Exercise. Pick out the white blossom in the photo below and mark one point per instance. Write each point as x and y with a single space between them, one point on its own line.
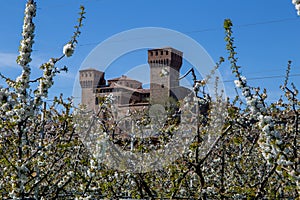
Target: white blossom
197 86
68 50
243 78
238 83
297 5
164 72
28 35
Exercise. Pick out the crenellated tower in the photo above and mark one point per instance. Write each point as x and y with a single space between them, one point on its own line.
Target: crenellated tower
90 79
165 64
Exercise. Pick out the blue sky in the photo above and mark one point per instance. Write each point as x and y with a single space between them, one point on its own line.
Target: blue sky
266 34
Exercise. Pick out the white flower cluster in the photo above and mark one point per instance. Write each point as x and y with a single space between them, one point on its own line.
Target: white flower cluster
270 141
46 81
297 5
13 110
68 50
22 82
28 35
164 72
83 198
198 84
239 83
109 99
4 94
65 179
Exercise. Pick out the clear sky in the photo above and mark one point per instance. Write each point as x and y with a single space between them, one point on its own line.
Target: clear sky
266 33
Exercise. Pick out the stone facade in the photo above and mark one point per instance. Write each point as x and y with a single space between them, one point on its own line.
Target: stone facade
89 80
165 64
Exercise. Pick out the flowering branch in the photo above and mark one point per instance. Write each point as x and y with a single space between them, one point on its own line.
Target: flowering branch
50 71
271 142
297 5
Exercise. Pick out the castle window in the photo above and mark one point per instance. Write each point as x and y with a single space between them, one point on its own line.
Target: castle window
167 53
156 53
151 53
162 53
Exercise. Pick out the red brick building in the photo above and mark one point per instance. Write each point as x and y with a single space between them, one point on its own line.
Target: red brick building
164 63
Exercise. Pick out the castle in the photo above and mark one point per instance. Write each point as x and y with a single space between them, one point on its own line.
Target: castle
165 64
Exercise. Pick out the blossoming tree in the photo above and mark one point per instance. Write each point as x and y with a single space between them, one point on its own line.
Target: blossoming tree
37 143
255 153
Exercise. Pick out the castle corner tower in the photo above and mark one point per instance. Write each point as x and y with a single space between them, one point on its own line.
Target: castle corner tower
90 79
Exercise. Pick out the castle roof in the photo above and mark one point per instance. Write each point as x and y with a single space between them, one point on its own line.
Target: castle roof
123 78
116 85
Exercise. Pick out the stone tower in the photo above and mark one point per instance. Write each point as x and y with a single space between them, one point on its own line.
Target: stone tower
90 79
165 64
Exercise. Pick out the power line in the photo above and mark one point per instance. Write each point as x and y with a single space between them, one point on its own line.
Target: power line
232 80
254 78
266 77
214 29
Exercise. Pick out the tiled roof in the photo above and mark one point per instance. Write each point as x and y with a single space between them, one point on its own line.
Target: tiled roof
123 77
116 85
